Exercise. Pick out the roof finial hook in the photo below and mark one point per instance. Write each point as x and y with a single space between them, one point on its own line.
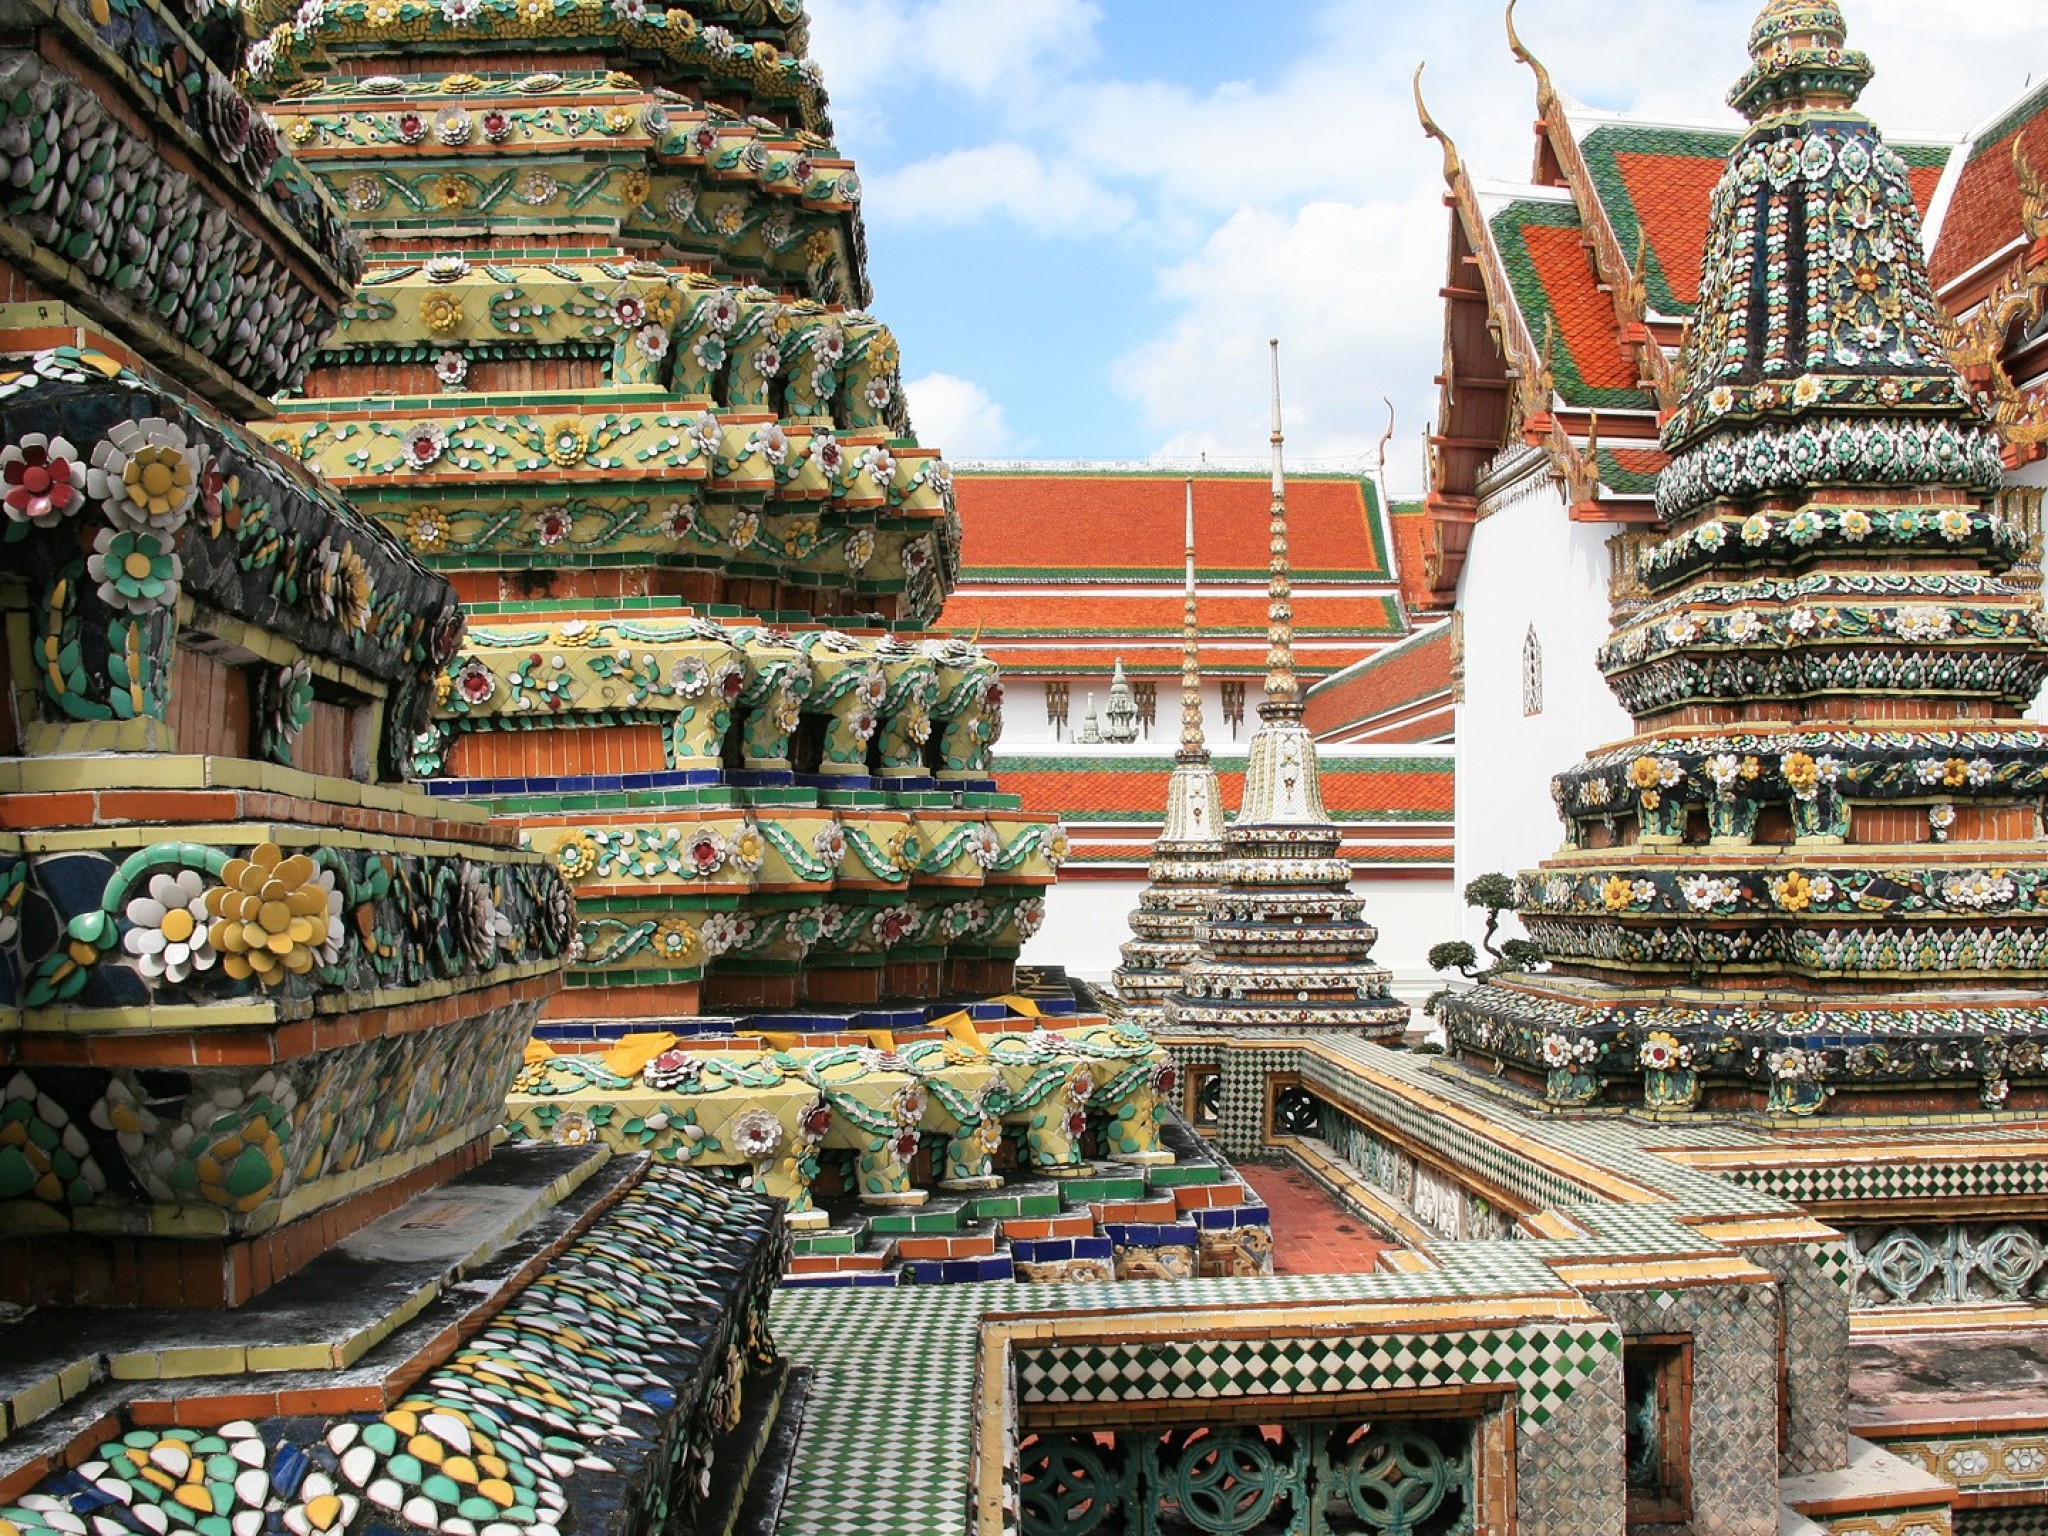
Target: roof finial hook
1452 165
1546 93
1387 436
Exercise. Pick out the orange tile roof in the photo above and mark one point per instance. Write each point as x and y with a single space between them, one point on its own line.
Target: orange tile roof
1083 789
1398 677
1412 531
1109 525
1984 214
1671 194
1585 316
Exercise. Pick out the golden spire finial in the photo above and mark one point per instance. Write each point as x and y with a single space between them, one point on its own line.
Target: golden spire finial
1283 692
1452 166
1193 747
1546 93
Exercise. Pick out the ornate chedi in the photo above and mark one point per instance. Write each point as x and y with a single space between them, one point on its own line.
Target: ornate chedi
1814 873
253 992
1185 859
1122 713
1284 943
609 371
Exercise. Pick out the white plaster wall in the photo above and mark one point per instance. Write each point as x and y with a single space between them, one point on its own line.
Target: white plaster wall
1025 725
1087 922
1528 564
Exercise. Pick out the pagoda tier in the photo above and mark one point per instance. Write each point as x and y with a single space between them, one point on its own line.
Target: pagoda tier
609 372
1283 942
1815 871
1184 869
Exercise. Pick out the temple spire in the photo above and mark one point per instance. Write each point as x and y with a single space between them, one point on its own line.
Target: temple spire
1283 691
1194 748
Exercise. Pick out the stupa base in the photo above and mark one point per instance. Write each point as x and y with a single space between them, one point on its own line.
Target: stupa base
1576 1043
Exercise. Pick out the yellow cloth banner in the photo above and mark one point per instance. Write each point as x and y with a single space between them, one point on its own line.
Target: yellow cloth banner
538 1050
630 1056
1023 1007
962 1029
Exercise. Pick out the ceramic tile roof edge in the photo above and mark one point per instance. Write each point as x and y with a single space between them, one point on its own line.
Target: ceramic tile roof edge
1496 194
1426 629
1732 126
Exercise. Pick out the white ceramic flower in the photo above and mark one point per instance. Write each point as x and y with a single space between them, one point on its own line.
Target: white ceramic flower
169 937
756 1134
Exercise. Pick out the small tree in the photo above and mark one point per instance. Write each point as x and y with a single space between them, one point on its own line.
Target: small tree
1493 895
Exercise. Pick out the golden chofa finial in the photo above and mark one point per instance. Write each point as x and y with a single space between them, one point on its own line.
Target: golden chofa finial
1387 436
1283 691
1546 93
1452 165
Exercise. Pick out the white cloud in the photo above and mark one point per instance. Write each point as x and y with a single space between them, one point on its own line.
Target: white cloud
959 418
967 186
871 50
1323 279
1304 200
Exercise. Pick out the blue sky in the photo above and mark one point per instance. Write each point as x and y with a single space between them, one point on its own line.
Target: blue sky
1085 216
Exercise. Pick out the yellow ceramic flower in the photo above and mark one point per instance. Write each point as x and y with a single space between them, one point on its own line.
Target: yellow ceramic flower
1644 773
426 528
441 313
450 191
568 444
634 190
617 119
1794 892
1801 771
460 84
677 942
380 13
727 220
357 591
273 916
576 856
1618 894
300 132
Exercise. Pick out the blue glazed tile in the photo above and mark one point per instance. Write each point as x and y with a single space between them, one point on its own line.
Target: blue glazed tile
1094 1248
1043 1250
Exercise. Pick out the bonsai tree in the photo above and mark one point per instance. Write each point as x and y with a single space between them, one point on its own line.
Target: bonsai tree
1493 895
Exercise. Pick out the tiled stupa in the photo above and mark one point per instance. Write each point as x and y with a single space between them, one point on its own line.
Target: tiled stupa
1812 877
1284 943
610 372
1185 859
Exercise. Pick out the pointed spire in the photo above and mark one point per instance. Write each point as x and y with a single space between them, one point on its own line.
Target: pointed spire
1194 748
1283 692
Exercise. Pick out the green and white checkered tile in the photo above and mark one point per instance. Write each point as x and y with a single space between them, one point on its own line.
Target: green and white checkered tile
887 1431
1832 1260
1545 1364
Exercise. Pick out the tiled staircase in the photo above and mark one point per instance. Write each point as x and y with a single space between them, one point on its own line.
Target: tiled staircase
1192 1217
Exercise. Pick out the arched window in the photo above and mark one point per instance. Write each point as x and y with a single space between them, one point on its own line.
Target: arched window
1532 673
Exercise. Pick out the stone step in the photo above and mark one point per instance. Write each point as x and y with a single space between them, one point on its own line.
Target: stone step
869 1260
1178 1175
848 1239
1205 1197
944 1218
1025 1203
958 1271
977 1245
1037 1228
1078 1192
1135 1212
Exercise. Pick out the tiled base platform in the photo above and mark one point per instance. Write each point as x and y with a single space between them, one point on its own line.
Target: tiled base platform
1195 1216
558 1341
